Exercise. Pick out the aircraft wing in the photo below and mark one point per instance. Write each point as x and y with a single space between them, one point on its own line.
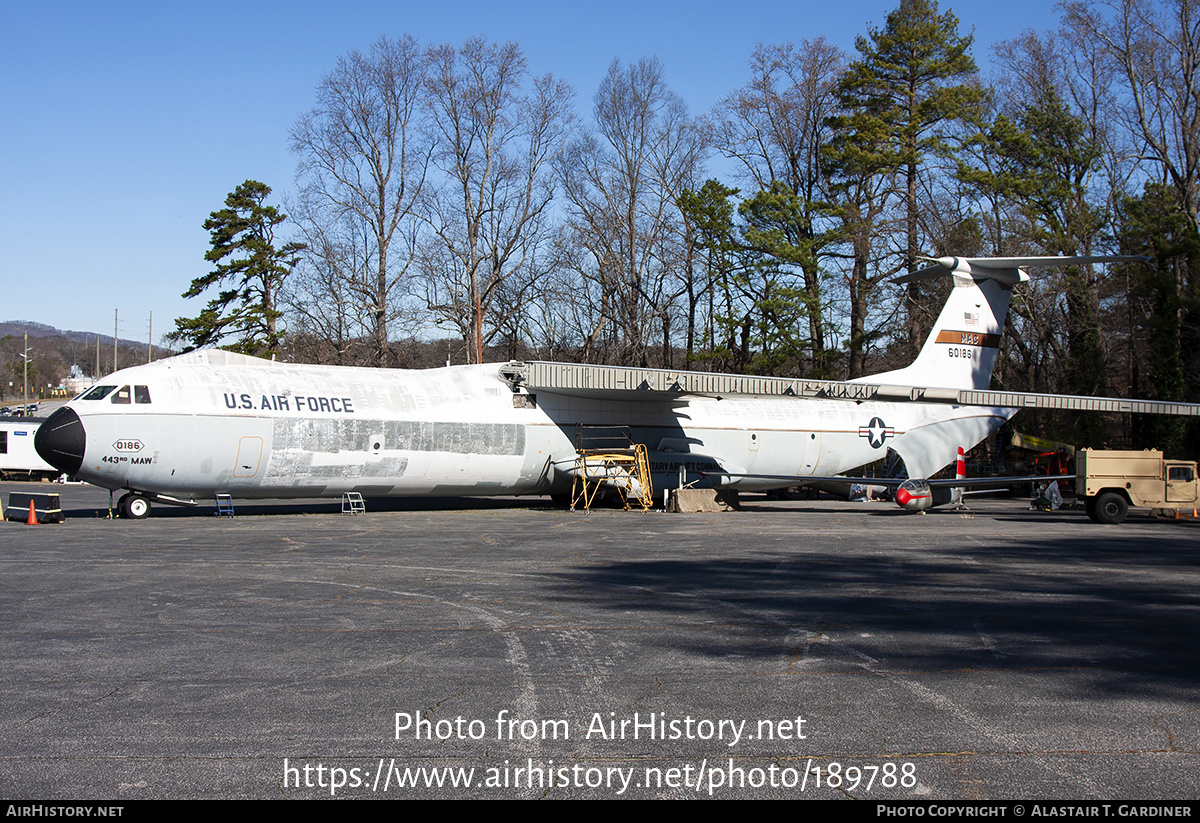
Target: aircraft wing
665 385
968 482
895 482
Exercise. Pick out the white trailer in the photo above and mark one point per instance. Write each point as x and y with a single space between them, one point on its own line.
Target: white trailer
18 460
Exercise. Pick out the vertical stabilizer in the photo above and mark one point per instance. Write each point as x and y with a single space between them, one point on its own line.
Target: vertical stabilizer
961 350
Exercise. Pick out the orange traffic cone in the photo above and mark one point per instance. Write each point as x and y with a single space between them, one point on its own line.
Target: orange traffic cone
32 521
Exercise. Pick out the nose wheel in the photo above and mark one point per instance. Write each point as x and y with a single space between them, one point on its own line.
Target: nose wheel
133 507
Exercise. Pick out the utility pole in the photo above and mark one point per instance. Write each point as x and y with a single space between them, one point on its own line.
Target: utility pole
116 314
25 357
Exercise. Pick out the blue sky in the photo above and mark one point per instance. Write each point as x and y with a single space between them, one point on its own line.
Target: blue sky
125 124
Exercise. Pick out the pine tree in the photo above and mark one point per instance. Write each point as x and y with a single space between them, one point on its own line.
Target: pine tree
1043 161
249 269
786 230
902 102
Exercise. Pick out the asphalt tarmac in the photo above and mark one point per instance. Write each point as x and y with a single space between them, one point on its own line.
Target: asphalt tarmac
502 648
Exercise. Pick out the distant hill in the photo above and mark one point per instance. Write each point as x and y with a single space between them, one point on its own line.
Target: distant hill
52 353
16 328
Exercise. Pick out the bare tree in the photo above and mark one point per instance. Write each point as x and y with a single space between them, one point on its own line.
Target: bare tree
330 296
1047 149
776 125
622 183
363 160
1155 48
495 143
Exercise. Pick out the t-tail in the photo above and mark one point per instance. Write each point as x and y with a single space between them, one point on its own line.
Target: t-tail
960 351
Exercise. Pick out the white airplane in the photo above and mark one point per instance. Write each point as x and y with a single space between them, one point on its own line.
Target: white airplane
183 429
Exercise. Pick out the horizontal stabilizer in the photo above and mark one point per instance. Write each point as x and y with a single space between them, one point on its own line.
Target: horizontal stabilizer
1005 270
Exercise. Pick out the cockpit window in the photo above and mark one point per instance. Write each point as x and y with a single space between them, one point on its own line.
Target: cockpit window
141 394
98 393
122 396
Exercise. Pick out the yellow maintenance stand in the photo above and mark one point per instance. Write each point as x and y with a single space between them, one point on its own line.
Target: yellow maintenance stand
607 460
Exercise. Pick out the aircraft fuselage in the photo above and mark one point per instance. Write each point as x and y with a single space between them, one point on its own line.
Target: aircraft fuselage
188 427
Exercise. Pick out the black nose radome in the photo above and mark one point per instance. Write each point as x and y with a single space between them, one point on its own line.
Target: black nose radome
60 441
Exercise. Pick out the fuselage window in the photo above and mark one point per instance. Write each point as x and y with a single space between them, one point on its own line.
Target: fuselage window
122 396
141 394
98 393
